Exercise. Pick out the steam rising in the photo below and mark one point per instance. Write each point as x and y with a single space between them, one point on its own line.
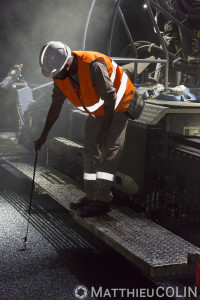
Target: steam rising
27 24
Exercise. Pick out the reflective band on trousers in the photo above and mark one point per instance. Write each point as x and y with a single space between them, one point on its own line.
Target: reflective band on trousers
88 176
106 176
120 92
98 175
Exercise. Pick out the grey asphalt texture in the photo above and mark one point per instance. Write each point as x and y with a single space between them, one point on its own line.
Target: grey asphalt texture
60 255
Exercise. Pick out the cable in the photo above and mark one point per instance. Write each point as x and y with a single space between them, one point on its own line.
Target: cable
87 24
191 9
113 25
157 69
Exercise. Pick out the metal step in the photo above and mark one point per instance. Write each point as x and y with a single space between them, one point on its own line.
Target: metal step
157 252
69 149
9 147
74 152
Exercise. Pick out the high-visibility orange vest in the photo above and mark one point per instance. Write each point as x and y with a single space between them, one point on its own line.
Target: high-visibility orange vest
88 96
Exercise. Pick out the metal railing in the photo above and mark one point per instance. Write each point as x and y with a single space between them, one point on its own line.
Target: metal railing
135 60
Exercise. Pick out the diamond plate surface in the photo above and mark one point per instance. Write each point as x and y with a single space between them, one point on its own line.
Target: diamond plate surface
154 250
72 151
179 104
152 114
60 187
68 142
63 146
9 147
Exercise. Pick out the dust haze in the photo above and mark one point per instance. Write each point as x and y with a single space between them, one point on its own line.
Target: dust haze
26 25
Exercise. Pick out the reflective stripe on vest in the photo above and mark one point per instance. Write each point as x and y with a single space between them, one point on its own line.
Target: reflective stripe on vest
88 99
122 89
120 92
114 71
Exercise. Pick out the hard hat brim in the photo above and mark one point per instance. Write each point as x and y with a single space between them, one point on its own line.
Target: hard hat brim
46 74
56 52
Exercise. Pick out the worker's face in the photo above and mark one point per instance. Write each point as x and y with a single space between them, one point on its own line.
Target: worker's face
63 74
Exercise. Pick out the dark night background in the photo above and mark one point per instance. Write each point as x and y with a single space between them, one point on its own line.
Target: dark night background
26 25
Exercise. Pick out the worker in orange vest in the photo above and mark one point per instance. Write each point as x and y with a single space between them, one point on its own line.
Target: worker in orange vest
96 85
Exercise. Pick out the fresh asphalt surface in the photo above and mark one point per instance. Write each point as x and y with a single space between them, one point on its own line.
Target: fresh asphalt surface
60 255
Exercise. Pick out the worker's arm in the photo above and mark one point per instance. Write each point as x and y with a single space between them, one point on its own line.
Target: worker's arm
58 99
107 92
52 116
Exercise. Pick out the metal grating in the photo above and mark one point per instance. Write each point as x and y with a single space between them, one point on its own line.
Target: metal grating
154 250
59 235
9 147
68 142
153 113
178 104
60 187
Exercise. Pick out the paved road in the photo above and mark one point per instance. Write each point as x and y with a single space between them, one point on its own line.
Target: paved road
61 257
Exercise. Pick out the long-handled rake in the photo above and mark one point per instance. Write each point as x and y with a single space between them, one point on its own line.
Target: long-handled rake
30 204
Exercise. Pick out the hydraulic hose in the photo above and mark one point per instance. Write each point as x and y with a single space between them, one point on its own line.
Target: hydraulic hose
162 41
135 54
155 51
166 5
191 9
180 19
167 14
128 32
187 68
179 64
113 25
87 24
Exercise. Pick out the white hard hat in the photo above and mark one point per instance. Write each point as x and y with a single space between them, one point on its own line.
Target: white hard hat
53 57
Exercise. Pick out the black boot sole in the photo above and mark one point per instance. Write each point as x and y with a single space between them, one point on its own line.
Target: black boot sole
77 206
87 214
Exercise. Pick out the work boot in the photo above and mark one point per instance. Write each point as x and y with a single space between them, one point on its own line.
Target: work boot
81 203
94 208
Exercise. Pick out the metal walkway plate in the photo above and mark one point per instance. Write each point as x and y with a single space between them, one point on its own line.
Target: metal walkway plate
60 187
9 147
157 252
154 111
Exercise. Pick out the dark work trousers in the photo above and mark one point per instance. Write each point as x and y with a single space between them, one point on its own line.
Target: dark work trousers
100 165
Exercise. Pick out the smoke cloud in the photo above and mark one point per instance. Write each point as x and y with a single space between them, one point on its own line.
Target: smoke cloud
26 25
